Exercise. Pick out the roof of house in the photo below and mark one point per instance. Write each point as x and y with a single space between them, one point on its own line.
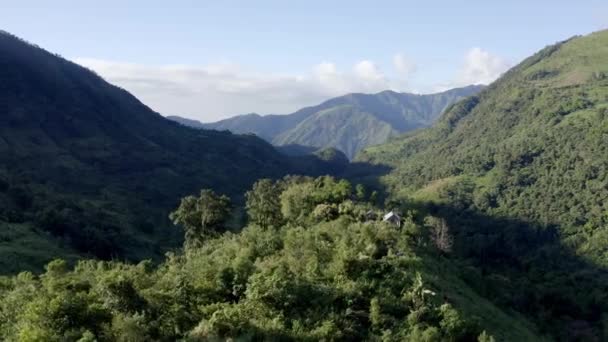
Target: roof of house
391 215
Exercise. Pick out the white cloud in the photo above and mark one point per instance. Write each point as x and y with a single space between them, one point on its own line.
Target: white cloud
213 92
479 67
369 77
367 70
403 65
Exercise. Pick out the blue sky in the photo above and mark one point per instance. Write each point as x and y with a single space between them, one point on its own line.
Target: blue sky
209 60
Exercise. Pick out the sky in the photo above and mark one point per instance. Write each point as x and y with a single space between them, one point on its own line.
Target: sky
210 60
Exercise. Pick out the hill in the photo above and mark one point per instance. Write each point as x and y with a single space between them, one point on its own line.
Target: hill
186 122
311 265
520 170
87 169
348 123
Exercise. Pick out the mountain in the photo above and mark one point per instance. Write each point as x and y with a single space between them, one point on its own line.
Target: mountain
348 123
520 172
87 169
186 122
318 268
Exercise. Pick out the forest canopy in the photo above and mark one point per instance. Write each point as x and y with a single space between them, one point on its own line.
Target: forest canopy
311 265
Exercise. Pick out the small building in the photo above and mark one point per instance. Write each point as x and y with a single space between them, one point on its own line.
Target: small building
370 215
392 217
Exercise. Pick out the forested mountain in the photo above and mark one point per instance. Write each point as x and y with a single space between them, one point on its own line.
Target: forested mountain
314 263
348 123
87 169
186 122
501 235
521 170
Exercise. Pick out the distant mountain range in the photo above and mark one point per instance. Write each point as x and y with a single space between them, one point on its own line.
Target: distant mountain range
348 123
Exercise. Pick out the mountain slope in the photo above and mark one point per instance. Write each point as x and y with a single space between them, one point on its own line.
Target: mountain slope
88 169
520 170
541 124
336 276
348 122
186 122
344 127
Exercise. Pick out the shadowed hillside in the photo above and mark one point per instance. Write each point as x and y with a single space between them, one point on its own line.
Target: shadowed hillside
85 168
528 153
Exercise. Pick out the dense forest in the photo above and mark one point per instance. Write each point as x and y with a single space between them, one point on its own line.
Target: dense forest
315 262
88 170
500 234
519 171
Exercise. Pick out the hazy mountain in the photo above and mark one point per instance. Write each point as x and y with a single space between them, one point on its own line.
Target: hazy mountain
85 168
348 123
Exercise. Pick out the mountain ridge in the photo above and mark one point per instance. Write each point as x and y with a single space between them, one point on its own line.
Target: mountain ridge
88 169
519 171
388 113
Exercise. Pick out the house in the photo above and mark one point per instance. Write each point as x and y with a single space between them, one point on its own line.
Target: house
392 217
370 216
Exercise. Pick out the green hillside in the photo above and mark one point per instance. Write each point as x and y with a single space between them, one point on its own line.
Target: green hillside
520 169
502 204
344 127
310 266
87 169
348 123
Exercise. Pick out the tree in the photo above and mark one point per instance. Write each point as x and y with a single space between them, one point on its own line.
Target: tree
325 212
360 192
297 201
373 198
459 193
454 327
439 233
329 190
201 216
264 203
485 337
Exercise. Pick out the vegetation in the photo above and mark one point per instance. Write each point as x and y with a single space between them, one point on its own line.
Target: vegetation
503 206
312 278
88 170
519 173
201 216
348 123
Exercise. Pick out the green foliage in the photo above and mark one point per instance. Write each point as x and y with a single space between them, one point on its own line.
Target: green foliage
297 202
325 212
360 192
518 173
439 233
90 170
303 195
263 203
201 216
484 337
345 278
509 186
